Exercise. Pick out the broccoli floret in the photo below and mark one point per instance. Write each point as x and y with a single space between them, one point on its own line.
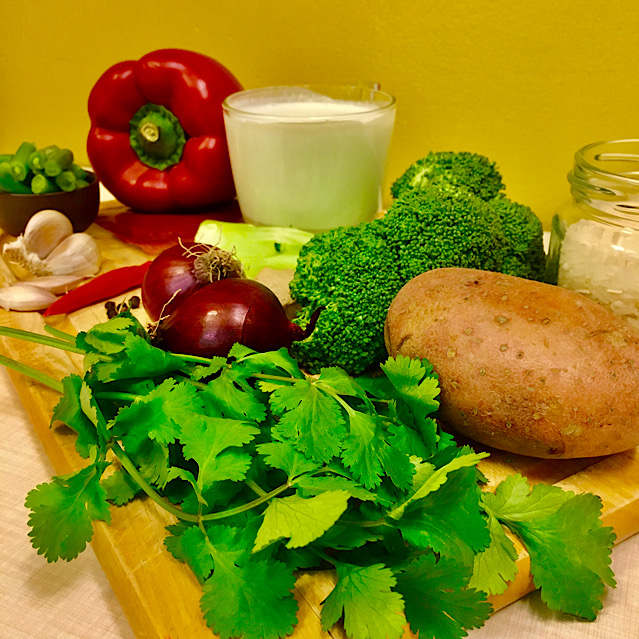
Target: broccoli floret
432 228
351 272
355 272
461 170
522 252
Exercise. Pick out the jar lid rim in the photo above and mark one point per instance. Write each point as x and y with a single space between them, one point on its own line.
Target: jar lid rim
582 160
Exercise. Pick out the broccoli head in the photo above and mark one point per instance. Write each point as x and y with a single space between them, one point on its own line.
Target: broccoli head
354 273
461 170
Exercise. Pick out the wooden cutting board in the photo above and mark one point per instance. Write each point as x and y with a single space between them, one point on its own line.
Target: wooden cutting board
159 595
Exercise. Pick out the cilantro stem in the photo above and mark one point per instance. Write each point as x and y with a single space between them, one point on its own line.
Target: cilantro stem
364 524
34 373
276 378
322 555
56 332
117 396
251 504
129 466
254 487
62 344
193 358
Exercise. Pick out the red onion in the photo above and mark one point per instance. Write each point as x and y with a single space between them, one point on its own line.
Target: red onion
181 270
211 320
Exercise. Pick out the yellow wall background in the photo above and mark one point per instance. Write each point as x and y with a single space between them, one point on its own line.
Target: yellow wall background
524 82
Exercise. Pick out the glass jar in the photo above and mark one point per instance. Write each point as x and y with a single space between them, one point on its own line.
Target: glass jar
594 238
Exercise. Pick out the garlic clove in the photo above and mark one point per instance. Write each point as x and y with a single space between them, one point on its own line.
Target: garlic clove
45 230
56 284
21 297
15 251
21 262
78 255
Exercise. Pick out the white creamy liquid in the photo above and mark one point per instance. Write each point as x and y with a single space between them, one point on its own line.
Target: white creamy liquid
312 164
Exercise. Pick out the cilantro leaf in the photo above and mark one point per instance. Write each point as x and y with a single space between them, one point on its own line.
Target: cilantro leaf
253 600
269 363
496 565
397 466
313 485
447 516
152 459
429 479
341 382
62 512
349 537
194 550
438 603
69 411
284 456
230 395
310 418
121 349
407 440
361 447
364 596
157 415
569 549
120 487
300 520
108 337
417 387
215 365
207 441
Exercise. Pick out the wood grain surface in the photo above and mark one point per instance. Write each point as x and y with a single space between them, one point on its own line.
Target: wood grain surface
160 595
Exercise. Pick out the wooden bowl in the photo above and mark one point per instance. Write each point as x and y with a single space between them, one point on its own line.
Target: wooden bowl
80 206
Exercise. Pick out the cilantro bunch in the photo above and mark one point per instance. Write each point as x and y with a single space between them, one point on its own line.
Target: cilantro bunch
270 472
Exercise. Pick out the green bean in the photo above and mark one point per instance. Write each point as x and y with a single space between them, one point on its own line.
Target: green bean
66 181
39 157
8 183
58 162
19 163
42 184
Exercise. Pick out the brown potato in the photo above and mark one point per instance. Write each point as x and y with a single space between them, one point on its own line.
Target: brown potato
526 367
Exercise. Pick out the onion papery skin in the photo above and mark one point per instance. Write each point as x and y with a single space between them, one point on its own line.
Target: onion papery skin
172 277
226 312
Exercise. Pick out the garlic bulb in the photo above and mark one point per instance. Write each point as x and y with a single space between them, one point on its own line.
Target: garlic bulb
22 297
78 255
48 247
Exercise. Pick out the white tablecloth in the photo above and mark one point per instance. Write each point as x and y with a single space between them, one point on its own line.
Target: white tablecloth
74 600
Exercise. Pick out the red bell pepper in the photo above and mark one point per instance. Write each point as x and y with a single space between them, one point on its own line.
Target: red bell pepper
157 140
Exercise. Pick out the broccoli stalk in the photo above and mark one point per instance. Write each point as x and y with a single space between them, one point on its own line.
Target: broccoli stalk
355 272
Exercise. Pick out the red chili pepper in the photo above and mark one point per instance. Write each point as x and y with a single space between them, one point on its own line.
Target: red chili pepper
157 140
99 289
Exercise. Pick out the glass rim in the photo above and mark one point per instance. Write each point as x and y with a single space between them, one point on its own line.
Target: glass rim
388 103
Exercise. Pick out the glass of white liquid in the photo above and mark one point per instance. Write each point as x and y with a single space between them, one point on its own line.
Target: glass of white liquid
309 157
